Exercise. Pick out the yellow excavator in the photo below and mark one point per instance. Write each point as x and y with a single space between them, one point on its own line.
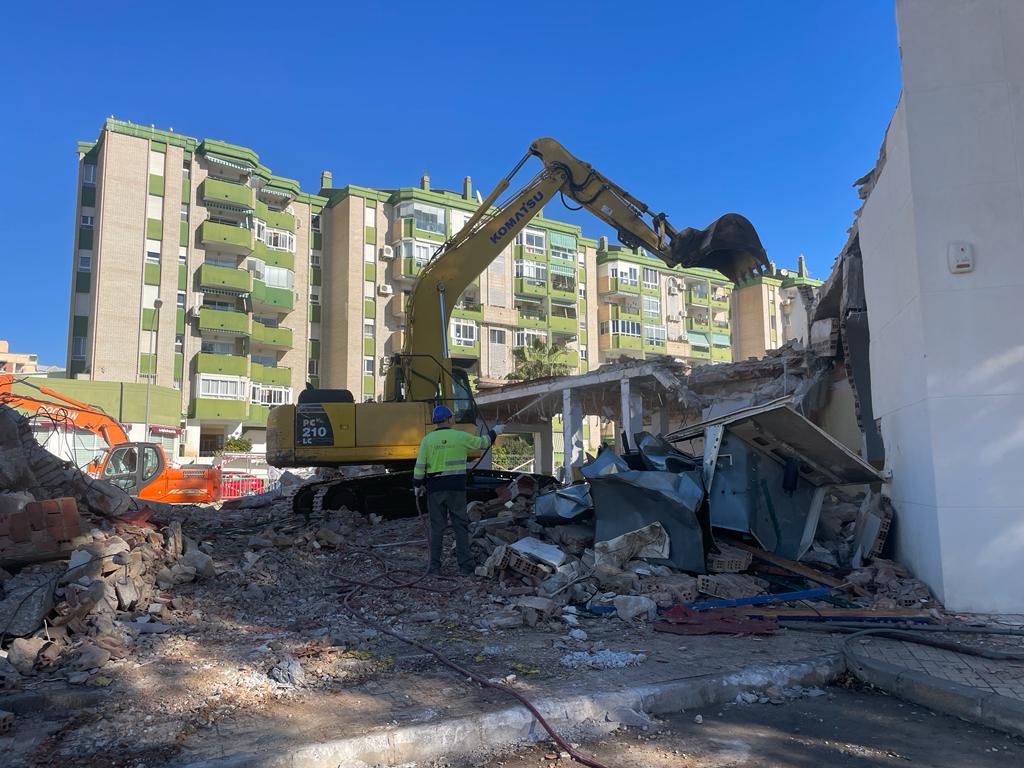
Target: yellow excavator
326 428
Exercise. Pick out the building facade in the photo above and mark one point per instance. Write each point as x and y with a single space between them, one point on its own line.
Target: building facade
198 269
16 362
771 309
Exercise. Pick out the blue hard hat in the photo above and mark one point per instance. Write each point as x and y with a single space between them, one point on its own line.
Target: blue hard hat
441 413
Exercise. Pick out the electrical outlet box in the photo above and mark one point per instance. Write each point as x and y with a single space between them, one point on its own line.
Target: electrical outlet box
961 258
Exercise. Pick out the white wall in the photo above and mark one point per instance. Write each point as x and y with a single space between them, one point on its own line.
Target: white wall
947 351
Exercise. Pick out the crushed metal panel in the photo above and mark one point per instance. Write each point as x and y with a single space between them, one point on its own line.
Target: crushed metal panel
563 505
782 433
606 463
627 501
659 455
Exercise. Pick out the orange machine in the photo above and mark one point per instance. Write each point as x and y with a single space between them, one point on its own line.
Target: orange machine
141 469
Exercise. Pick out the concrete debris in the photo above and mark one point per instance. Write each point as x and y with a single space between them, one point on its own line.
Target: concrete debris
28 599
629 607
603 659
288 671
23 652
548 554
651 541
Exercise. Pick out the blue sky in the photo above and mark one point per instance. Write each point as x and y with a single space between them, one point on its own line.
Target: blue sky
770 109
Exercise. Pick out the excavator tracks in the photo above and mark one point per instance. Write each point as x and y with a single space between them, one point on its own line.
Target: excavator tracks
389 494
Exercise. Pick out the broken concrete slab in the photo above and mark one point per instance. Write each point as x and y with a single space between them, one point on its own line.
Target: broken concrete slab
28 598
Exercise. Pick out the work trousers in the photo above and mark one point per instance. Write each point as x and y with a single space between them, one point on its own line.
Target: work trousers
443 505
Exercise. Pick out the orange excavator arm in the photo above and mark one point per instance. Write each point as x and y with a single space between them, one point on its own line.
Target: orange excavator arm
81 415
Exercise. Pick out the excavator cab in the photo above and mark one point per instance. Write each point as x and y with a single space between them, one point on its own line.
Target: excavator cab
132 466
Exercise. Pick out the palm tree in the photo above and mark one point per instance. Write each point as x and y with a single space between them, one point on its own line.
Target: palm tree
539 360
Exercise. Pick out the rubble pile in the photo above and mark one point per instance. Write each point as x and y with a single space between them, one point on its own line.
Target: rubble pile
70 619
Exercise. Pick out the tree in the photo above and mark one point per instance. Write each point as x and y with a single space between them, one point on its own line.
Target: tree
238 445
538 361
511 452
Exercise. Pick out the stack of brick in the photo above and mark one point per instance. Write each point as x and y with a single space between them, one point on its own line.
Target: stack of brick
38 530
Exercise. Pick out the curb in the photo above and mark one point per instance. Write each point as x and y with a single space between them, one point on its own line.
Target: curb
513 725
972 704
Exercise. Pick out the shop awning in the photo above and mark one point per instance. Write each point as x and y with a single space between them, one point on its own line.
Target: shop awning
697 339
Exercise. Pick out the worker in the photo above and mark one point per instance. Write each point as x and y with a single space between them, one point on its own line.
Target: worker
440 476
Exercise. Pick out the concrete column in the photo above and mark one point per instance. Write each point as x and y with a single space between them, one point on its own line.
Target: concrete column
543 451
572 433
636 415
624 408
660 421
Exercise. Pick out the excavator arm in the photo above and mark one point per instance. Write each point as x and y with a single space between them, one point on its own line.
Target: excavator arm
81 415
423 371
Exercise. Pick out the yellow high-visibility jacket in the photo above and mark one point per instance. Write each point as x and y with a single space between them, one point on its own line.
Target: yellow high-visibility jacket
441 461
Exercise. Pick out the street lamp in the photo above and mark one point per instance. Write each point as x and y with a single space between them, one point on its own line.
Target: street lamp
157 303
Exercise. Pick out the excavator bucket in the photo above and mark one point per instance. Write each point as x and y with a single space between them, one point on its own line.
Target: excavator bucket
729 245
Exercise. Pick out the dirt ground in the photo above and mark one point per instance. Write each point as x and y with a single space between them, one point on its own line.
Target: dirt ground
844 728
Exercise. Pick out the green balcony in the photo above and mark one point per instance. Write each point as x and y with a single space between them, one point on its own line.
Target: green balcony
617 341
216 191
527 286
702 353
720 303
695 297
274 257
563 324
258 415
459 350
224 237
277 298
216 278
265 374
314 313
701 326
570 357
721 354
621 312
275 219
227 365
223 321
528 319
271 337
410 268
615 285
468 310
210 409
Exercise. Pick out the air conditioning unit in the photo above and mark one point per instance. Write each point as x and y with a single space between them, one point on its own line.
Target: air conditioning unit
387 252
385 290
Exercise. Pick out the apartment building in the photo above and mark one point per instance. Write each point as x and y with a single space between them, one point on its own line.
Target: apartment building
198 269
16 362
771 309
191 270
377 243
648 309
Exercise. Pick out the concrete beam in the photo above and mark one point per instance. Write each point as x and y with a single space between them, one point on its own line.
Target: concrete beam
572 433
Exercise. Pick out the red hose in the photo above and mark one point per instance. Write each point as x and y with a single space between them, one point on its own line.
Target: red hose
355 586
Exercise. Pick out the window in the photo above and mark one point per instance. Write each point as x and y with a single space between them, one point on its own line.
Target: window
463 332
621 328
278 277
654 334
533 241
583 352
423 253
89 174
498 336
563 278
563 246
279 239
533 270
369 331
314 294
582 291
369 217
652 306
221 387
699 290
155 207
527 337
563 310
181 300
269 395
186 168
313 369
314 222
771 294
85 261
651 277
152 251
182 254
218 260
176 384
184 211
368 366
429 218
156 163
179 342
771 320
88 220
217 347
78 347
314 259
368 289
369 252
627 274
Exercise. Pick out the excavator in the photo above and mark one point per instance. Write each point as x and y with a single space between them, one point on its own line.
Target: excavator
140 469
327 428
